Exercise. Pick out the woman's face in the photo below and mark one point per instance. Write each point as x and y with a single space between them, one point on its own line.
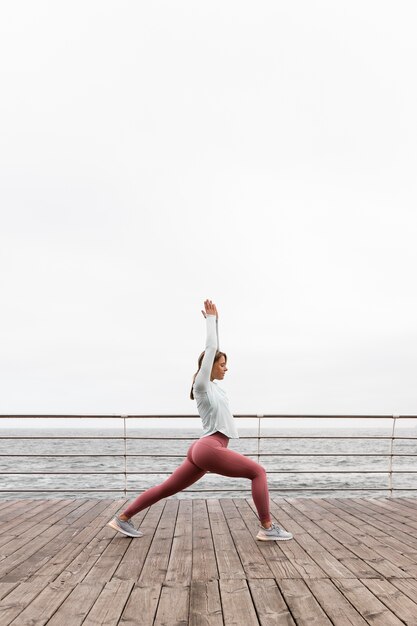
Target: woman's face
219 369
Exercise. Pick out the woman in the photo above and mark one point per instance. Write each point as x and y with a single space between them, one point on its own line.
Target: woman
209 453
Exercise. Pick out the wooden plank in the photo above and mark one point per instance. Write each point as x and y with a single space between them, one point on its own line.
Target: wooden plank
44 605
296 513
295 556
392 517
11 509
16 542
96 516
353 542
228 562
334 604
7 503
23 552
156 564
205 605
108 561
74 565
367 512
379 527
29 511
279 563
392 553
77 605
393 548
204 566
20 597
403 505
89 514
253 561
360 517
54 515
407 586
383 567
109 606
318 552
393 509
173 606
131 565
269 603
409 502
324 559
303 606
6 588
22 531
6 539
141 606
354 564
85 559
371 609
279 514
29 566
397 602
181 557
40 512
238 608
69 561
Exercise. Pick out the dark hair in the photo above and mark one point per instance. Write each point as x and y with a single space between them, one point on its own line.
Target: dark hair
200 360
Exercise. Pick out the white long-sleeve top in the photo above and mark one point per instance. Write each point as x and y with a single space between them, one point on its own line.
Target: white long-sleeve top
212 403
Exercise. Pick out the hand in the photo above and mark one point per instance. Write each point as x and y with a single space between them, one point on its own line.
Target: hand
210 309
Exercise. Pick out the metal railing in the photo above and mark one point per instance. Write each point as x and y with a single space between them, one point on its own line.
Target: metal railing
390 456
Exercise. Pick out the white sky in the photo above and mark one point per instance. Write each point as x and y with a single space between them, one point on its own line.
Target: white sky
261 154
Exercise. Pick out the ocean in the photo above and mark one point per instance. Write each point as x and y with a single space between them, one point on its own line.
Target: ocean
301 471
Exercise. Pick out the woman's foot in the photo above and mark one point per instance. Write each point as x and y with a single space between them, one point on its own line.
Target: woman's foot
125 527
275 533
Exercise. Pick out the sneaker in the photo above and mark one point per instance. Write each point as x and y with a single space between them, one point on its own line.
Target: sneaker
275 533
125 527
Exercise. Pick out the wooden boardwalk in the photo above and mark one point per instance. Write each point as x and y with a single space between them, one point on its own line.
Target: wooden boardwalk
352 562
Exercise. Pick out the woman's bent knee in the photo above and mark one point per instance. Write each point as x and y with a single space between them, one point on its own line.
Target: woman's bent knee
261 471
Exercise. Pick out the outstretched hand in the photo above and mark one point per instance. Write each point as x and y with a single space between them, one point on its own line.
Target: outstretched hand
210 309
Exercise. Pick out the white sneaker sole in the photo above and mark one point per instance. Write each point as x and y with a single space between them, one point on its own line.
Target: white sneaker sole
274 538
124 532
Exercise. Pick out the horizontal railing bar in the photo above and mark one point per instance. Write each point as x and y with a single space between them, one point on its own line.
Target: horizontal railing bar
280 437
181 456
196 416
163 472
284 489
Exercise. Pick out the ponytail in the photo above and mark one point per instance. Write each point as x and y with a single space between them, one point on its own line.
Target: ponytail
200 360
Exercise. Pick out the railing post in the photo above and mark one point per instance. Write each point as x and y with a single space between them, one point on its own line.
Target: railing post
259 416
125 454
391 455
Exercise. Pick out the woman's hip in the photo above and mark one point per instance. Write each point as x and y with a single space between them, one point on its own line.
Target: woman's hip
207 446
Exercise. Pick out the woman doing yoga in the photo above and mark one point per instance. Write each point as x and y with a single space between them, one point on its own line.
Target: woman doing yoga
209 453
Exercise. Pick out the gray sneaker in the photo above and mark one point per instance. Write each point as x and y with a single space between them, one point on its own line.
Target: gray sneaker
126 528
275 533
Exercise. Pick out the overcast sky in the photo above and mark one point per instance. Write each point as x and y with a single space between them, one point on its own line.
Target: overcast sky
261 154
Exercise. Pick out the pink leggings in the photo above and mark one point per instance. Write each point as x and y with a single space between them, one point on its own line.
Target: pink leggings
209 454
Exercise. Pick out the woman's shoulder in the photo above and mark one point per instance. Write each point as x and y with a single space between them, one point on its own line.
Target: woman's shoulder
208 390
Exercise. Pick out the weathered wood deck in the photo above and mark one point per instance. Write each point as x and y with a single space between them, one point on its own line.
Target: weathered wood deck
353 561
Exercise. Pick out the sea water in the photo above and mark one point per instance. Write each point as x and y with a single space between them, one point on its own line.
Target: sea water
307 463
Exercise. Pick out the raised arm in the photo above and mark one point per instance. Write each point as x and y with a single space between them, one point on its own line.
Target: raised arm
212 345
